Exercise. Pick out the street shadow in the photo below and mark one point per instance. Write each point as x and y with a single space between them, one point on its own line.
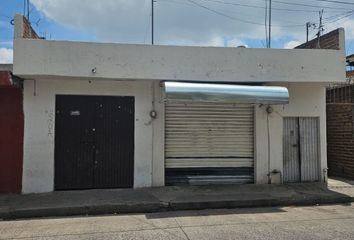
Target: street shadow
211 212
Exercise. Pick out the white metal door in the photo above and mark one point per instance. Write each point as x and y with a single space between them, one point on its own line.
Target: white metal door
301 149
209 135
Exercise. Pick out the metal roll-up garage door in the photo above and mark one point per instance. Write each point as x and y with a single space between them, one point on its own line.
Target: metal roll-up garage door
209 143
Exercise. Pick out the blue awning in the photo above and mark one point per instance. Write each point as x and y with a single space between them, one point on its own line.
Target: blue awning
210 92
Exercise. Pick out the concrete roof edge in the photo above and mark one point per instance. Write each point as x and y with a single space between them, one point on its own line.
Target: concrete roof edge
6 67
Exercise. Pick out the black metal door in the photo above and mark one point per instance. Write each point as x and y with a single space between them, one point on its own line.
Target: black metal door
94 142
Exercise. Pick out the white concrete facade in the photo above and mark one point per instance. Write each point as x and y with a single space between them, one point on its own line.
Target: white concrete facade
51 68
141 62
306 99
39 110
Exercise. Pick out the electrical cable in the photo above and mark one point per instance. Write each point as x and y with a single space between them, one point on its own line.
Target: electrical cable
219 12
239 19
340 18
147 28
307 5
259 7
333 1
265 21
338 15
223 14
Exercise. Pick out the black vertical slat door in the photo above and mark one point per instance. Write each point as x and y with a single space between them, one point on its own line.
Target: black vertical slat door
74 143
94 142
114 140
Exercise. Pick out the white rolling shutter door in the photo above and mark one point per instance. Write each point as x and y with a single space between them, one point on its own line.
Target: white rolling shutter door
204 135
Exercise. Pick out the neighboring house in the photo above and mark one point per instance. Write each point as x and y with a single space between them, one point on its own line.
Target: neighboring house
11 131
104 115
340 125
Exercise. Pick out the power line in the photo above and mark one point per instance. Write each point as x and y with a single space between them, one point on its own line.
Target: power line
342 17
177 2
260 7
219 12
333 1
265 21
307 5
339 15
26 10
292 24
152 22
235 18
147 28
223 14
270 24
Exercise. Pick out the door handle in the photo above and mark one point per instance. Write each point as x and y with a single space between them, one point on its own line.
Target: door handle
295 145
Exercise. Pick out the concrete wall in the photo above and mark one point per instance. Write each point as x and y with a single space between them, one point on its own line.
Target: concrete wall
35 58
306 100
39 111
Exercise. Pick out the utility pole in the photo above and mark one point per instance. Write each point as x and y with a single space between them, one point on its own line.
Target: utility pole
320 30
26 11
152 22
270 24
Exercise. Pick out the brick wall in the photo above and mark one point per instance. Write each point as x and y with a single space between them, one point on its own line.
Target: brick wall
23 28
340 140
330 40
28 31
340 94
350 75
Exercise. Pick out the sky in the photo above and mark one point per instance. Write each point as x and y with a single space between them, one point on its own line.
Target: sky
226 23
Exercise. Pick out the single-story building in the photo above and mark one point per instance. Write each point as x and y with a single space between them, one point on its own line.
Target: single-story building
104 115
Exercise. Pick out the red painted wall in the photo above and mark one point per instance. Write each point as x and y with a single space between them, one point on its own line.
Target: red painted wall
11 140
5 78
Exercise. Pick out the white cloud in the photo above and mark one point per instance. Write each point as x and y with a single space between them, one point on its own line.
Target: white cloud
215 41
292 44
349 29
9 43
179 22
6 55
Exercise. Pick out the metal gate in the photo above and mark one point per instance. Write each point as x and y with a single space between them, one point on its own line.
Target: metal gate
301 149
94 142
208 143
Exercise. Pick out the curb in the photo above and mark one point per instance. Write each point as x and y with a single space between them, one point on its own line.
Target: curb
150 207
180 205
81 210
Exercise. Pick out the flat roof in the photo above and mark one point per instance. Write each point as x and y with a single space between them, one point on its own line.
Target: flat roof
6 67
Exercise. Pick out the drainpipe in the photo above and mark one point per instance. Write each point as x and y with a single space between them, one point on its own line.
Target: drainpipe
269 110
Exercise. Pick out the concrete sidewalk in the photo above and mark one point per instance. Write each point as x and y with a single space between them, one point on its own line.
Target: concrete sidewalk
111 201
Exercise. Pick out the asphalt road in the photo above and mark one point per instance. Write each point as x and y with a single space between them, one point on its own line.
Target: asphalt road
320 222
